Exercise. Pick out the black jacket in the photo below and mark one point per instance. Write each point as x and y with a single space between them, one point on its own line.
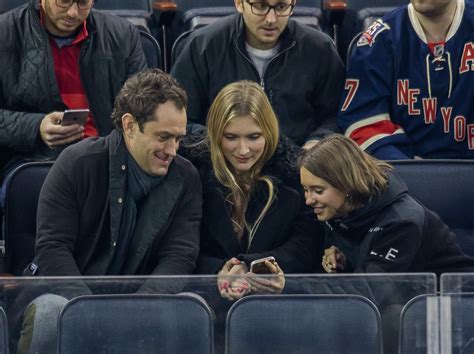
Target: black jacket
289 231
395 233
28 89
80 209
303 82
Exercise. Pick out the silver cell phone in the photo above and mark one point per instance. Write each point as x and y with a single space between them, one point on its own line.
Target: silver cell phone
75 116
258 266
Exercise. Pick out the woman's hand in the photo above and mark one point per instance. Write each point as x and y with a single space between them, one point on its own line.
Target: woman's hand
271 284
230 286
334 260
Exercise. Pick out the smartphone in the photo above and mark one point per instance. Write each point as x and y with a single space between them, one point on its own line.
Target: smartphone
75 116
258 266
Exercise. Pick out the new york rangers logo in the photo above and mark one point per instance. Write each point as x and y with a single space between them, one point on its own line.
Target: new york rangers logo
438 50
371 33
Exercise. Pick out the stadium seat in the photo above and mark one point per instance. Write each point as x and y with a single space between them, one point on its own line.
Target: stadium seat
137 12
152 50
3 332
414 338
22 190
136 324
447 188
457 323
303 324
7 5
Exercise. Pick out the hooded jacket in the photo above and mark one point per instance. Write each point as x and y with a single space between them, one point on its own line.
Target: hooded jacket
28 90
396 233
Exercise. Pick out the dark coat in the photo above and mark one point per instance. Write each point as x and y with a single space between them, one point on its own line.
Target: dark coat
289 231
395 233
303 81
28 89
80 209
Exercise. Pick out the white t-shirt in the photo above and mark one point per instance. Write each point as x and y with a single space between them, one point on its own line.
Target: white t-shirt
261 58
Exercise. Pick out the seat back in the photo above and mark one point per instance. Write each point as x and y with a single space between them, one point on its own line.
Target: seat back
458 327
419 325
7 5
22 189
303 324
447 188
137 12
136 324
152 50
3 332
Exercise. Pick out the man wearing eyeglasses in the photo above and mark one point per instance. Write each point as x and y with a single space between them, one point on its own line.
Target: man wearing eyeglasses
57 55
297 66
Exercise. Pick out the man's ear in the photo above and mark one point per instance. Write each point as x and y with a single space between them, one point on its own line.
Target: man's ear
129 125
239 5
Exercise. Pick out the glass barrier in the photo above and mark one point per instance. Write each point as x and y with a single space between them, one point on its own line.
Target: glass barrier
206 314
457 313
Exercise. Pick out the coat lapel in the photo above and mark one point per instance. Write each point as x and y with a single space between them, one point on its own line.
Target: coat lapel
154 214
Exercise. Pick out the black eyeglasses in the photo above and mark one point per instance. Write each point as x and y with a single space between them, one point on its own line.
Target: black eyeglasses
262 9
81 4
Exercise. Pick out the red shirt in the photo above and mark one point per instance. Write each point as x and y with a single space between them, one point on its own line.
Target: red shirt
68 76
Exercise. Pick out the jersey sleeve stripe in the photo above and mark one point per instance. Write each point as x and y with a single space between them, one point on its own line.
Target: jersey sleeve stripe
367 131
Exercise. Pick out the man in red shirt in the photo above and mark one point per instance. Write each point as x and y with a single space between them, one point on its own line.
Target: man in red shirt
58 55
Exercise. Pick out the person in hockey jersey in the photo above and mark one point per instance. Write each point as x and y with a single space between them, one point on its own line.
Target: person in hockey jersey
410 84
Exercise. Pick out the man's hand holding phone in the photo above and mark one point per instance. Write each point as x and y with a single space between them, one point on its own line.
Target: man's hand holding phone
266 276
54 134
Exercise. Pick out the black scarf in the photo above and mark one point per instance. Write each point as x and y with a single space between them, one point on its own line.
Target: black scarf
139 184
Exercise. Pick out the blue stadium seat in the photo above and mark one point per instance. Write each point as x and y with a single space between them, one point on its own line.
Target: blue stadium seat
459 325
414 338
22 190
7 5
136 324
447 188
3 332
137 12
152 50
303 324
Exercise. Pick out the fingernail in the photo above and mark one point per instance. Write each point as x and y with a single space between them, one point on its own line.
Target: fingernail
225 284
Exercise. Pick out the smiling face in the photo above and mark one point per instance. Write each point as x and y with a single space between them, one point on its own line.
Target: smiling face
62 22
325 200
262 32
242 143
155 147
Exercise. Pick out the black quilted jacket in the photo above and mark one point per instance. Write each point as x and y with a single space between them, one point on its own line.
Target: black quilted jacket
28 88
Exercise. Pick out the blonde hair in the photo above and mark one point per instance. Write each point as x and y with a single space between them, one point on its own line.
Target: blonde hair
236 100
341 163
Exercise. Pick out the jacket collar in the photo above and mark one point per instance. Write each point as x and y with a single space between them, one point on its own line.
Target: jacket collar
156 209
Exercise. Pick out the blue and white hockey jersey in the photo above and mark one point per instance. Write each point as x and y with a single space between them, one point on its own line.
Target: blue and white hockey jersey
405 99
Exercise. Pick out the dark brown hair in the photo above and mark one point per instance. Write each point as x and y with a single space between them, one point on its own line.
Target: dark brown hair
143 92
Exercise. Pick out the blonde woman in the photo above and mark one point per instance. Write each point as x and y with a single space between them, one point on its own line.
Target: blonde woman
249 212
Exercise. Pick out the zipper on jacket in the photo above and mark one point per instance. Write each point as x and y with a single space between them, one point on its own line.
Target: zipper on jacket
262 78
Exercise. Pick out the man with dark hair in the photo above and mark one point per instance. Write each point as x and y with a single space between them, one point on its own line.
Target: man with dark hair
57 55
125 204
298 67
